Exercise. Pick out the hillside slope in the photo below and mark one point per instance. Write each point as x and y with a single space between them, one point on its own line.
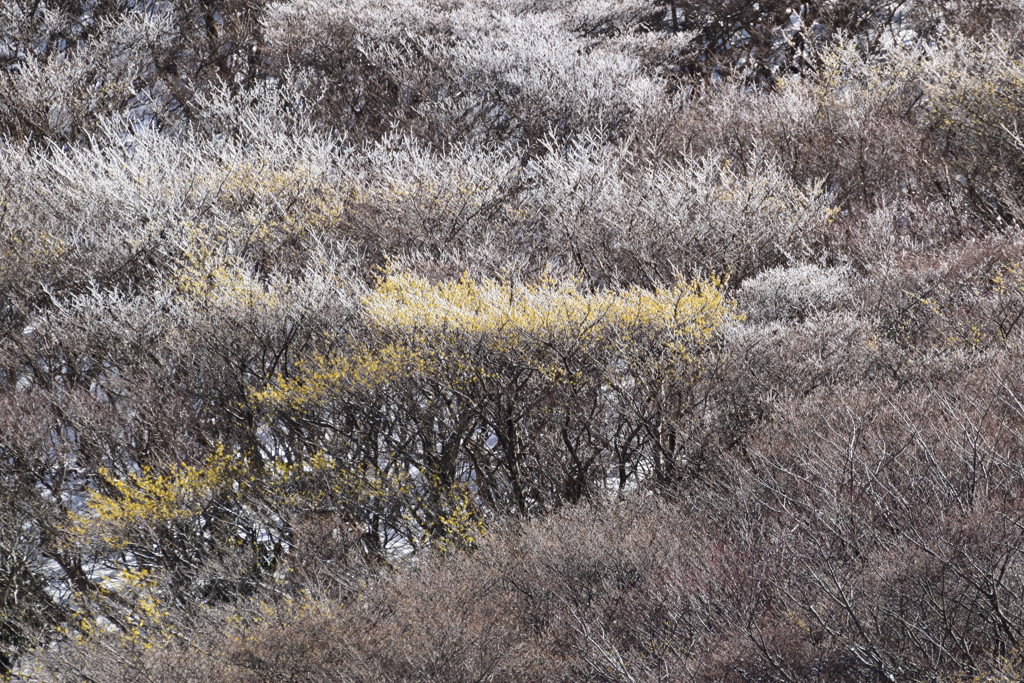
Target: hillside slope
531 340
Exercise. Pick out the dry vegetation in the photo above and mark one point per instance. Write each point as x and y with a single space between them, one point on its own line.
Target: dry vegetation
518 340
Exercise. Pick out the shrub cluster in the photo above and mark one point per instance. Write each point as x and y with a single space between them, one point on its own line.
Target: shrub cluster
533 340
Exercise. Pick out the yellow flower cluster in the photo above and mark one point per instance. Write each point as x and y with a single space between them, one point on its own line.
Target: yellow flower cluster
357 372
283 202
148 626
460 524
144 498
225 283
550 308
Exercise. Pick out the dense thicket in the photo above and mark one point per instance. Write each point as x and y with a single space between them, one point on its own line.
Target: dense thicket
531 340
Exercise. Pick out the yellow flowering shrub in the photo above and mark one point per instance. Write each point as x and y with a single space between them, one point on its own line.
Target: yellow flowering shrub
148 624
515 373
425 323
416 510
147 499
361 369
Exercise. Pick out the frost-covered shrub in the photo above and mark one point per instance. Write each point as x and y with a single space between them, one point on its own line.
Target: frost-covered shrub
65 66
643 220
795 293
463 71
977 20
773 358
64 97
